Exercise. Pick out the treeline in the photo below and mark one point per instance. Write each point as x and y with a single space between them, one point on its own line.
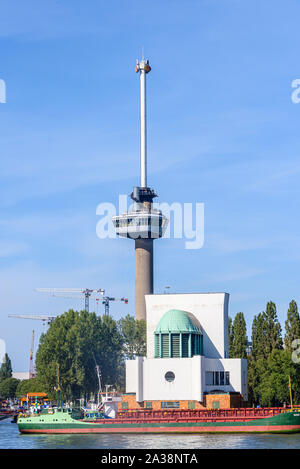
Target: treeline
74 344
272 357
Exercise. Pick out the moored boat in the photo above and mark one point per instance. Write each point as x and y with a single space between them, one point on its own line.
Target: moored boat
75 421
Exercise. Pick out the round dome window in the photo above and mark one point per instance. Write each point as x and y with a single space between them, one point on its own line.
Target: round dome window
169 376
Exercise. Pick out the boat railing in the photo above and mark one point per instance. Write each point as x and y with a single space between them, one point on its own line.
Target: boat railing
242 412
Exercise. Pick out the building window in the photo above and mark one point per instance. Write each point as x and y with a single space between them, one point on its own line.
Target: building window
185 345
148 405
175 345
157 346
175 348
209 378
125 405
169 376
217 378
170 405
216 404
191 404
165 345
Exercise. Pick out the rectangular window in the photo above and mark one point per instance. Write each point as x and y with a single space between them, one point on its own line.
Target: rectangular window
191 404
169 405
124 405
209 378
165 345
216 404
148 405
157 346
217 378
175 345
196 347
185 345
194 344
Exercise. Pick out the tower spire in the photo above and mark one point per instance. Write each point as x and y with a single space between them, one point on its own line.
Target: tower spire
143 68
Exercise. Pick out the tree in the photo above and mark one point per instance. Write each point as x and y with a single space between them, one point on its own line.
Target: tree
269 365
266 338
273 340
8 388
273 389
292 325
230 337
6 369
266 332
29 385
77 342
134 337
258 336
239 337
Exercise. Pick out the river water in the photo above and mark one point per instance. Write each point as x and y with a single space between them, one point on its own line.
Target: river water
10 438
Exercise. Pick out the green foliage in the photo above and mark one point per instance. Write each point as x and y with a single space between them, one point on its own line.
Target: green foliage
273 340
8 388
253 380
258 337
269 365
273 387
6 369
266 332
134 337
230 337
239 337
77 342
292 325
29 385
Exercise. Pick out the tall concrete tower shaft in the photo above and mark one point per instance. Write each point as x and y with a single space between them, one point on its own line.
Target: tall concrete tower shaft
142 223
143 275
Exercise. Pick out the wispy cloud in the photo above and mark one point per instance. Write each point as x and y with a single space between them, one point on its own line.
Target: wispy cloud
224 244
238 275
227 244
12 249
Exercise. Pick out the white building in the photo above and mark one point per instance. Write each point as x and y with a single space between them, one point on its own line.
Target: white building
21 375
187 353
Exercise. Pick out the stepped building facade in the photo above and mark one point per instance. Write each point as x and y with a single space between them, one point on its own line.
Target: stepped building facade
187 364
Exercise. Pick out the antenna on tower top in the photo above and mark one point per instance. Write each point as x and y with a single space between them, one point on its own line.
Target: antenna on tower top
143 68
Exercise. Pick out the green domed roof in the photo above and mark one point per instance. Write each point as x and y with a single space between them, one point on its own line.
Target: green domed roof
176 320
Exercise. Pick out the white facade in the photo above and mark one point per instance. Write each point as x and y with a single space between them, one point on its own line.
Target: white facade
211 310
21 375
211 372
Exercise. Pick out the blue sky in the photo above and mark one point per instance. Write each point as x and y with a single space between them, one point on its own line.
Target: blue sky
222 129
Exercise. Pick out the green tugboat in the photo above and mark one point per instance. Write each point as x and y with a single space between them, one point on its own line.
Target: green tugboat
76 421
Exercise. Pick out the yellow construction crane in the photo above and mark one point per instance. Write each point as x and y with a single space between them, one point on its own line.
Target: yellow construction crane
291 397
31 367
